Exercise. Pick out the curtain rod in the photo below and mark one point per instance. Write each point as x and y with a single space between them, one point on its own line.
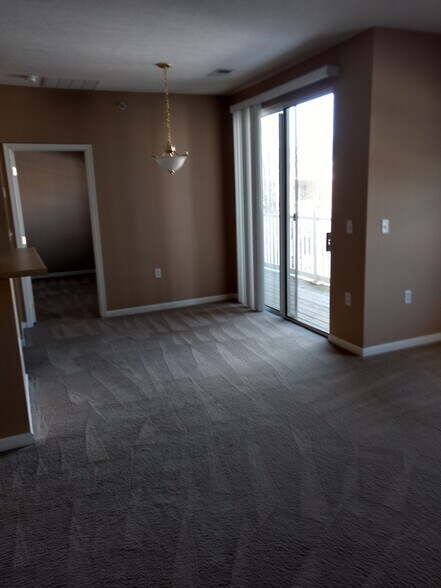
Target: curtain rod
317 75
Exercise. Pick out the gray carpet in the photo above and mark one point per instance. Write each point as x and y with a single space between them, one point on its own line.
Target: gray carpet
215 446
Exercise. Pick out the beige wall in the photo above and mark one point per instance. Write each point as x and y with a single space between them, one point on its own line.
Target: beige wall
55 205
405 187
351 153
183 223
387 163
13 408
349 192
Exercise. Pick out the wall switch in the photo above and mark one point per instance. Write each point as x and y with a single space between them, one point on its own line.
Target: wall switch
407 296
385 226
349 227
158 273
348 298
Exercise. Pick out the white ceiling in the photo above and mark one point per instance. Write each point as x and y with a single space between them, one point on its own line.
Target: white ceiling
117 41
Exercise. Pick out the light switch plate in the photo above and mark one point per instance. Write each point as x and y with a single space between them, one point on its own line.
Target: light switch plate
385 226
349 227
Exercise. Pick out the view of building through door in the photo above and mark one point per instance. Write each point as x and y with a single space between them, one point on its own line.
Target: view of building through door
297 202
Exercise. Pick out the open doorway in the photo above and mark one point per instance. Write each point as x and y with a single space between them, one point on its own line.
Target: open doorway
297 147
54 209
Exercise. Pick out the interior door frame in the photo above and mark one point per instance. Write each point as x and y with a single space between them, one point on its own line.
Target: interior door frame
9 150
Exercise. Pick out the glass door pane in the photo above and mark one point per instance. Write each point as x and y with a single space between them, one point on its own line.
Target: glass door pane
309 166
270 138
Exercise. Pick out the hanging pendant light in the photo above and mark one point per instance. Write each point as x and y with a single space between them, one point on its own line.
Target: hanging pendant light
170 159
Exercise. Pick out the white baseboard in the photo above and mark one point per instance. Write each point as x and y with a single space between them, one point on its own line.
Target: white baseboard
168 305
355 349
385 347
16 441
24 326
28 402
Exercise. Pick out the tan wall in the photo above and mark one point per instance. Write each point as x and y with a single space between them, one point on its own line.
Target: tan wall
183 223
387 164
351 152
405 187
349 192
13 409
55 205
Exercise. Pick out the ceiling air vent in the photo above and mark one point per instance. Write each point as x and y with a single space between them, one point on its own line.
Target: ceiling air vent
66 84
220 72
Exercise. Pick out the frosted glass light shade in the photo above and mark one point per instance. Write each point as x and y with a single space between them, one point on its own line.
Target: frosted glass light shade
171 161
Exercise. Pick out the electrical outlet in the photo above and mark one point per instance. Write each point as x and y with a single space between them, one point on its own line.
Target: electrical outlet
158 273
349 227
385 226
348 298
407 296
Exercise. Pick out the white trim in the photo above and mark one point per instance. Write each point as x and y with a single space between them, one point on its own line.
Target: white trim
240 214
355 349
9 149
317 75
96 235
17 217
169 305
28 402
16 441
385 347
22 339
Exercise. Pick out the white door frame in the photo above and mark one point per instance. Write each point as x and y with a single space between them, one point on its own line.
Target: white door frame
9 150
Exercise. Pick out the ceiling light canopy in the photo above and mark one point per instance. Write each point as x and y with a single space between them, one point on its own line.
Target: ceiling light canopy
170 159
32 79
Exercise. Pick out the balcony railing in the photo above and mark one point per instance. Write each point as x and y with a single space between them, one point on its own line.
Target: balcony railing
314 262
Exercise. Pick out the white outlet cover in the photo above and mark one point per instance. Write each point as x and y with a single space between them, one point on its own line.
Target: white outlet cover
158 272
385 226
348 298
349 227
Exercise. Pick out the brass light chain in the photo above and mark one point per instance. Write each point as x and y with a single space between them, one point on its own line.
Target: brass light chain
167 112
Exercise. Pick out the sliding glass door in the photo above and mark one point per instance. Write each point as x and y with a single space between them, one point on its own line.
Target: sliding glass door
302 173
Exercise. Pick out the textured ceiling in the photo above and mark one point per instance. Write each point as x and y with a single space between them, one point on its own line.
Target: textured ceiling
117 42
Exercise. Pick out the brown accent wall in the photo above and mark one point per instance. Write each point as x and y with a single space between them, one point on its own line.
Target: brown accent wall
55 205
183 224
405 187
